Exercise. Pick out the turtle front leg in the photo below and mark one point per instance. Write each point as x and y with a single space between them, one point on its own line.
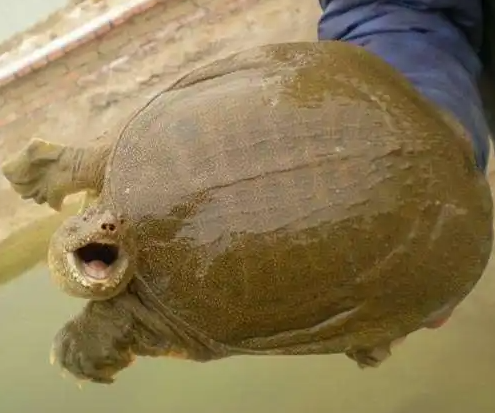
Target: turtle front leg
96 344
48 172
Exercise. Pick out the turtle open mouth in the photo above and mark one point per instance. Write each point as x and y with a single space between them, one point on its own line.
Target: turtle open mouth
97 259
99 262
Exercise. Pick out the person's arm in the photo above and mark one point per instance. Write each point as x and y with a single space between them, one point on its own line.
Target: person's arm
434 43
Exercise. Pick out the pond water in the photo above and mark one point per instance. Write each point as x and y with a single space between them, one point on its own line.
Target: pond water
446 370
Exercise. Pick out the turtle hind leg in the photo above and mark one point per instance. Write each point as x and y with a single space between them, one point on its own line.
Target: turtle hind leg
47 172
371 357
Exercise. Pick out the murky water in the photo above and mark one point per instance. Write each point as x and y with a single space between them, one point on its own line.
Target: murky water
448 370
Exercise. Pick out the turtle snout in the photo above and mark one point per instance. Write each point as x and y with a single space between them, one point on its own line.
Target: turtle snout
91 255
110 224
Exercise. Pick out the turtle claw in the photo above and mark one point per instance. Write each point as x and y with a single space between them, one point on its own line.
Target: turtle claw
35 173
53 357
63 372
53 361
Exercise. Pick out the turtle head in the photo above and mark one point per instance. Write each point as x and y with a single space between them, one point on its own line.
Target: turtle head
92 255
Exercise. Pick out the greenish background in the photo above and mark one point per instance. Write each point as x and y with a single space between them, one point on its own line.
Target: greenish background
450 370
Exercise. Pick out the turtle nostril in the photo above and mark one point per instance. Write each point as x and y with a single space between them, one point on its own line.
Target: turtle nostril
109 222
108 227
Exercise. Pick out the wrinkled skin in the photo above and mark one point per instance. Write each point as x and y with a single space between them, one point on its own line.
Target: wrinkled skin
290 199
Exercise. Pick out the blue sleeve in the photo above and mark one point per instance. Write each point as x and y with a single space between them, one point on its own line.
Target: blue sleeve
434 43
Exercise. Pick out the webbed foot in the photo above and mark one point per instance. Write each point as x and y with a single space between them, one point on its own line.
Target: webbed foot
89 355
36 173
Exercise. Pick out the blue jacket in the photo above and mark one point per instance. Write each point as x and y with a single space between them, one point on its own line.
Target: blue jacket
434 43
